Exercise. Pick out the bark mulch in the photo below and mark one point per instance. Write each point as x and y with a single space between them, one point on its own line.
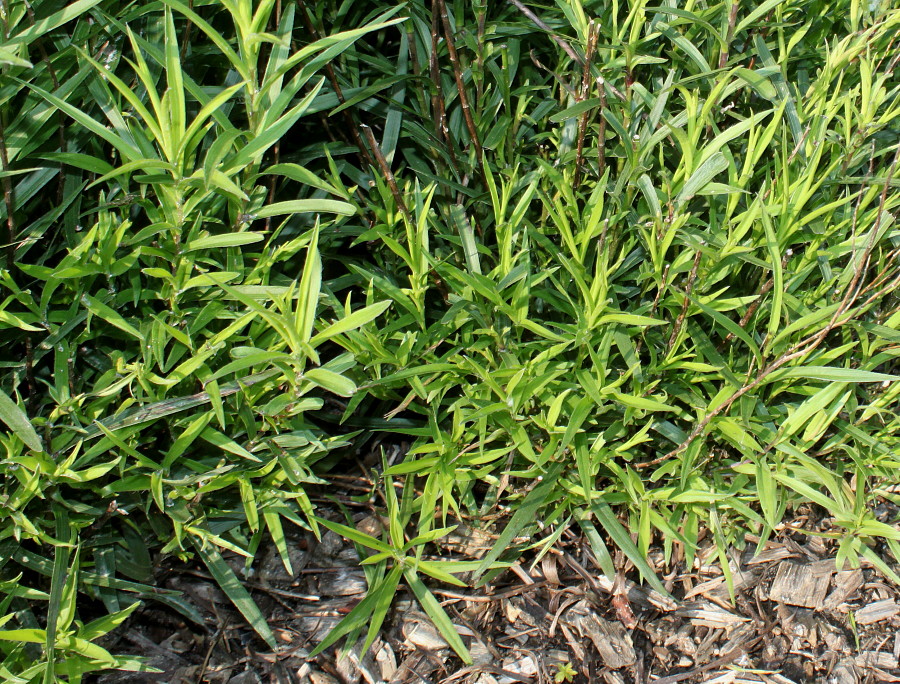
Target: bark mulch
795 617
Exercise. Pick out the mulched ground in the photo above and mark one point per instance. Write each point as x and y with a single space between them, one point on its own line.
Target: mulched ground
795 618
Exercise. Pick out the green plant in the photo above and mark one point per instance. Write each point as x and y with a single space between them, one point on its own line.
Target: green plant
564 673
633 268
404 556
651 278
170 353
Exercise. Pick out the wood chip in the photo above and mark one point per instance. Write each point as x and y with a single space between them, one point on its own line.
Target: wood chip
774 553
612 642
316 677
844 673
802 584
877 611
387 661
846 582
778 679
469 541
709 614
356 664
523 665
343 582
638 594
741 635
879 659
424 634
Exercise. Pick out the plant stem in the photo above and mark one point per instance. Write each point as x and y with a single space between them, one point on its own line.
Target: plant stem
388 176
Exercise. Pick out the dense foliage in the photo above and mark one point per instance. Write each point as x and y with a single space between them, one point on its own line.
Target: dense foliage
625 270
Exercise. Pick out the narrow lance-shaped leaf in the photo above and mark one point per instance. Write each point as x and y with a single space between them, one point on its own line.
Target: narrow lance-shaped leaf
234 590
325 206
310 285
351 321
702 176
438 616
623 540
18 422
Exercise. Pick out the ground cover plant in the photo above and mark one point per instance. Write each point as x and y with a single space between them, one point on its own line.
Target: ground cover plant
625 270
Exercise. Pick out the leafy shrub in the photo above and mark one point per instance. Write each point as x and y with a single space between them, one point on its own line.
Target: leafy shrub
168 312
628 269
651 295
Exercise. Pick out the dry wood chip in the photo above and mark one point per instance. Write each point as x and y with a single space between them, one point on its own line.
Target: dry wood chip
469 541
877 611
639 595
732 677
610 639
802 584
342 582
512 610
480 653
740 636
523 665
834 639
316 627
387 661
556 657
574 643
846 582
704 587
709 614
316 677
485 678
844 673
682 642
356 664
372 525
771 554
271 568
414 668
423 634
879 659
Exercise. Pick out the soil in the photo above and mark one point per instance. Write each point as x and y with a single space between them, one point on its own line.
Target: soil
793 616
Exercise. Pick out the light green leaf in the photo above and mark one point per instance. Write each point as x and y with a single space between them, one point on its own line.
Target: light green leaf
642 402
352 321
576 109
366 611
524 515
306 206
832 374
622 538
760 83
440 618
629 319
101 310
225 240
331 381
355 535
702 176
18 422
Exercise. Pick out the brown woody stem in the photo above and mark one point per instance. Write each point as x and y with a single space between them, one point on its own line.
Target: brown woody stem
460 85
386 171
